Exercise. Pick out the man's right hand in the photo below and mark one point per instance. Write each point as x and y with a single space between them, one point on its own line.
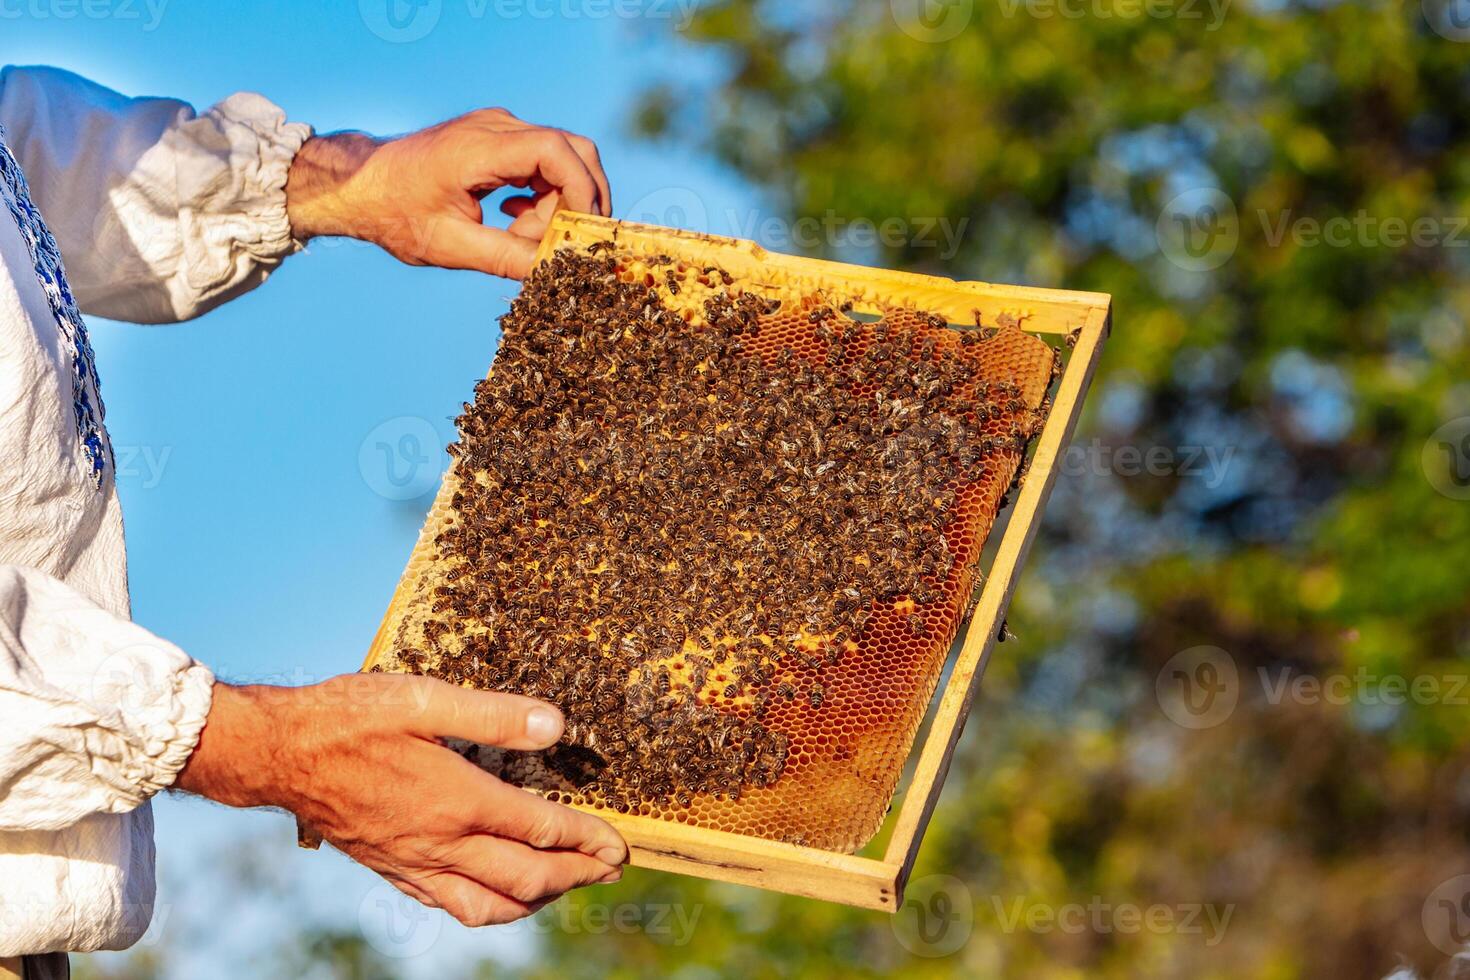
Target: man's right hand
358 760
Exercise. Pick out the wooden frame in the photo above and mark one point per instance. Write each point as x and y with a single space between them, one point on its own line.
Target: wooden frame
876 883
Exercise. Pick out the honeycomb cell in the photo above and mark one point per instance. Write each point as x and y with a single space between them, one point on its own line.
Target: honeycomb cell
847 750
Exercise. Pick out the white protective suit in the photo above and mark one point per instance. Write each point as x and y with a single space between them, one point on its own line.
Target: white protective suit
161 214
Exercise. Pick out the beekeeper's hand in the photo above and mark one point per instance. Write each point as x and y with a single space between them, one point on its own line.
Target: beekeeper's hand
418 196
358 759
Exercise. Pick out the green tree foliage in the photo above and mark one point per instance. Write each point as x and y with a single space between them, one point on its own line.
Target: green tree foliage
1315 544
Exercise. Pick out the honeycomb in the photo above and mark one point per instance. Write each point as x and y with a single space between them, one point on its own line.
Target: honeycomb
846 755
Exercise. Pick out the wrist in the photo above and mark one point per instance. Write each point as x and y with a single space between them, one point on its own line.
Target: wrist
319 186
238 760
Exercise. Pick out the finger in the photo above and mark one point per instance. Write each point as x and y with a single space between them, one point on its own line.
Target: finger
516 814
413 891
584 147
518 205
587 150
548 153
471 902
508 721
528 875
530 226
533 223
470 245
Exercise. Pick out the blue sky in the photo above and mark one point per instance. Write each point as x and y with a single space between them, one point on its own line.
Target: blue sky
248 440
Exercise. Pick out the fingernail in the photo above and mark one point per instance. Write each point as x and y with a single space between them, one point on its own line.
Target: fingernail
542 725
614 875
612 855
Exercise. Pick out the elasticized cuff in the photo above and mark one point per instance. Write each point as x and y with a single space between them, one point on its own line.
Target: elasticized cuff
169 730
263 195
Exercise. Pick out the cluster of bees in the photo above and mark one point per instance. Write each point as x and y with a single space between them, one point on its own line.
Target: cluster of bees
668 535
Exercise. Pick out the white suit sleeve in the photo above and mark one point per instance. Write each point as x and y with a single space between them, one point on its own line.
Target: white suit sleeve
98 713
161 213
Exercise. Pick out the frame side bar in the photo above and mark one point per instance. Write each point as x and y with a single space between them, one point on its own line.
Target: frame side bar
959 693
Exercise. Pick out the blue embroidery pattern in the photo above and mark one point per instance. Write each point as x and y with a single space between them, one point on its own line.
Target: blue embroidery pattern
85 393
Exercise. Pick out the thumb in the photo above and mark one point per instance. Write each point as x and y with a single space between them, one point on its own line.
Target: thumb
507 721
471 245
